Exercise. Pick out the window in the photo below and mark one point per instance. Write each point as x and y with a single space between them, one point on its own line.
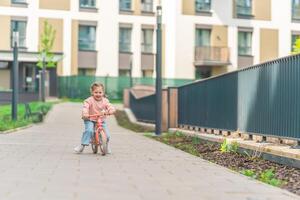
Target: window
18 1
294 38
86 72
147 5
244 7
203 5
296 9
202 72
20 27
125 40
125 5
87 3
147 40
29 77
87 37
147 73
244 43
203 37
124 72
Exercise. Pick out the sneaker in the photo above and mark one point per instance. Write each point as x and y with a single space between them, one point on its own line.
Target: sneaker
79 149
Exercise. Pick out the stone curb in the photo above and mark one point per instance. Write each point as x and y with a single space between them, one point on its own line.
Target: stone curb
133 120
16 129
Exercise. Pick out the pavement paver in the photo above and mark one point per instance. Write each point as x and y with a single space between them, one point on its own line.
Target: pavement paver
39 163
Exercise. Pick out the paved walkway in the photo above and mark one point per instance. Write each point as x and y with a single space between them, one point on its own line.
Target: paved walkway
38 163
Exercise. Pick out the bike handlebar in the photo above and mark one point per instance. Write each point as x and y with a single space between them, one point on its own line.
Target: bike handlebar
98 115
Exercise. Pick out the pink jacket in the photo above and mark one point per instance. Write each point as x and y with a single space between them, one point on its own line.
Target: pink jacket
92 107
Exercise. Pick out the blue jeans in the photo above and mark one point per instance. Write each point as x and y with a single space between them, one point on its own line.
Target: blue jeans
89 131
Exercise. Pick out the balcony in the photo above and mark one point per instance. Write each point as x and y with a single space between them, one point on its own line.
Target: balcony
212 56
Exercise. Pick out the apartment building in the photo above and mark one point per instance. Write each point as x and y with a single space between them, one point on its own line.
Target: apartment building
201 38
95 37
215 36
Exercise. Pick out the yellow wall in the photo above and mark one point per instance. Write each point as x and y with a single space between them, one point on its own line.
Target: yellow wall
219 35
5 32
74 60
268 44
262 9
188 7
233 9
55 4
5 79
57 25
218 70
136 7
5 2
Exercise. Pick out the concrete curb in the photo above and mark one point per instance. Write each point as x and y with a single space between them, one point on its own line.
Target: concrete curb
16 129
133 120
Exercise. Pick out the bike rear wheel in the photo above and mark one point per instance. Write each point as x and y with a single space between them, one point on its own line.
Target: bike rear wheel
94 146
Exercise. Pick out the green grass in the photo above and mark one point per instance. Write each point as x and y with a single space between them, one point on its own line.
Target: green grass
5 115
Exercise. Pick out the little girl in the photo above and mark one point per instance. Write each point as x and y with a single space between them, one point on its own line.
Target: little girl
95 104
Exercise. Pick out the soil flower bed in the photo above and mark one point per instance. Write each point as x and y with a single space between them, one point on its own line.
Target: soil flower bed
250 165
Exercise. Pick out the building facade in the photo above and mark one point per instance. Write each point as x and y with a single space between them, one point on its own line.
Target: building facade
216 36
201 38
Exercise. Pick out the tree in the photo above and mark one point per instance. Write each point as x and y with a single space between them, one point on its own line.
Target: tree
46 57
296 46
47 41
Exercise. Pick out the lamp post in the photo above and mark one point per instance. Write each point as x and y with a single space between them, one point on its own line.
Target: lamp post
15 94
130 73
158 71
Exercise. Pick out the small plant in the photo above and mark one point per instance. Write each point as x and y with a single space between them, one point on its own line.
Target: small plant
254 154
178 134
249 172
268 176
196 140
227 147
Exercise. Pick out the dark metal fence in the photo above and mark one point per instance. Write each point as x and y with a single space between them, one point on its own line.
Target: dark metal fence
79 86
209 103
6 97
262 99
269 98
143 108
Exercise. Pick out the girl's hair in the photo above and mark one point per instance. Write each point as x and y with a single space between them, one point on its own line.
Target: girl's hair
95 85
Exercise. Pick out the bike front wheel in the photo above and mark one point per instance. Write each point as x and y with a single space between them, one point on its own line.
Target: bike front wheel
103 143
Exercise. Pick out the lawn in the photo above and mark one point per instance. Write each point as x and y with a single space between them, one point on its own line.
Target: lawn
5 115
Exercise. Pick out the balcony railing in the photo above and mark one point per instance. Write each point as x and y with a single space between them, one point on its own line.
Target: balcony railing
207 55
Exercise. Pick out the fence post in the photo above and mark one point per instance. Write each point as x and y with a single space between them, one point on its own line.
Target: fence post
173 107
165 110
126 98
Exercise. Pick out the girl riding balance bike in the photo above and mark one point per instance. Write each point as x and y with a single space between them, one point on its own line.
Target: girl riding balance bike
92 106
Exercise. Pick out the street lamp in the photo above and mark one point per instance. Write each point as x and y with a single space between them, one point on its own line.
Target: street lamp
130 72
158 71
15 70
